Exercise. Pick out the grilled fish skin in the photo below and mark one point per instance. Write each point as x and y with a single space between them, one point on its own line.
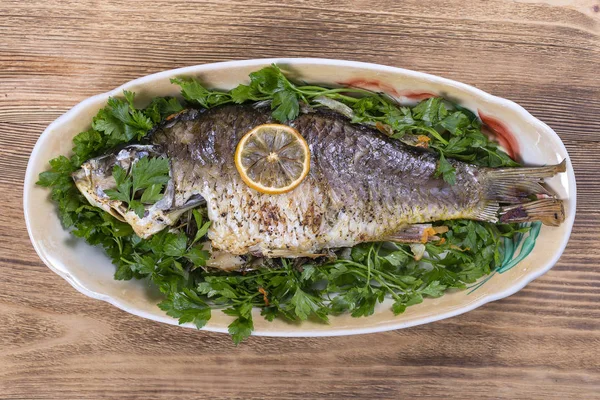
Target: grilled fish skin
362 186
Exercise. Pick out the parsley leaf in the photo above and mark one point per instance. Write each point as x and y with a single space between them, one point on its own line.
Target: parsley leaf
121 121
446 170
202 227
398 307
175 245
147 175
150 171
285 105
241 328
434 289
193 91
187 307
431 111
197 256
456 123
303 305
87 144
161 108
152 194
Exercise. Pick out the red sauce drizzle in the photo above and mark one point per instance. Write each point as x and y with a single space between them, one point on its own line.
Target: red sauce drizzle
417 95
378 86
370 84
502 134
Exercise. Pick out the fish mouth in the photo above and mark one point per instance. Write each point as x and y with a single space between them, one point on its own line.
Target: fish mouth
95 177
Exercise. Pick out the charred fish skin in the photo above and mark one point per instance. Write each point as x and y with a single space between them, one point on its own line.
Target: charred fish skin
363 186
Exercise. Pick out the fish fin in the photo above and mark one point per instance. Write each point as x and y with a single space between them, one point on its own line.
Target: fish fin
416 233
286 253
516 185
489 213
548 211
193 202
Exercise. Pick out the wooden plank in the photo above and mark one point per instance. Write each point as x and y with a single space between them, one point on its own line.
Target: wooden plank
541 343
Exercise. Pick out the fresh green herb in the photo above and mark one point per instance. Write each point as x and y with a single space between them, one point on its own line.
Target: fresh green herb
195 93
202 226
446 170
147 176
187 306
162 107
354 282
121 121
267 84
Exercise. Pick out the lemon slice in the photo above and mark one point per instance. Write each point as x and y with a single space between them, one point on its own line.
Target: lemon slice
272 158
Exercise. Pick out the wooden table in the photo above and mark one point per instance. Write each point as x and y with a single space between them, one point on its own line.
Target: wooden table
542 343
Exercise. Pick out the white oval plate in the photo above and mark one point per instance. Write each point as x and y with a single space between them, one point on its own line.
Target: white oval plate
90 271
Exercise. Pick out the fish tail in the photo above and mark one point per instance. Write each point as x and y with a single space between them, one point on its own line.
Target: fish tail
515 188
548 211
514 185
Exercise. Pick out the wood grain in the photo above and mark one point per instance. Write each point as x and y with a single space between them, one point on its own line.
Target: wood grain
542 343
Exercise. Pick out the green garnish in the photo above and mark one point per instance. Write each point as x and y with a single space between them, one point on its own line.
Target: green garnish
354 282
147 176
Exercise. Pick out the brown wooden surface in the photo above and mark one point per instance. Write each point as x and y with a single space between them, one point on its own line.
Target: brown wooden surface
542 343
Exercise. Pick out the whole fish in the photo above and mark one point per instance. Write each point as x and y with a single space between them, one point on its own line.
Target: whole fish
363 186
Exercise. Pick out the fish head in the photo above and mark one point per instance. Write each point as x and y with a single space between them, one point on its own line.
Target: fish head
96 176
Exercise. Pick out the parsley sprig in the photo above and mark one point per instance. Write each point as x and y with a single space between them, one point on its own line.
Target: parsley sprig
267 84
146 176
